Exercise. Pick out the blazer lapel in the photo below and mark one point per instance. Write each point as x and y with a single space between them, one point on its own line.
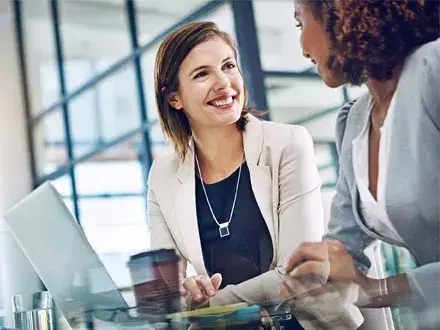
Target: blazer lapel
361 109
261 178
186 213
261 182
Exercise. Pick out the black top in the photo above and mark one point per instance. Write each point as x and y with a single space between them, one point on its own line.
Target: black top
247 252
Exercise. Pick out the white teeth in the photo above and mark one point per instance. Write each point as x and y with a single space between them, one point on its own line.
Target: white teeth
222 103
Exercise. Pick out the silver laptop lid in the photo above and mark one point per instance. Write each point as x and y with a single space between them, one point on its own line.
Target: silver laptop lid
59 251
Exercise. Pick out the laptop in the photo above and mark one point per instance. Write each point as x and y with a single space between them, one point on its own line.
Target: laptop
61 255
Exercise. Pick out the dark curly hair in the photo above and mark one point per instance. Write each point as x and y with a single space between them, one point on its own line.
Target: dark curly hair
370 38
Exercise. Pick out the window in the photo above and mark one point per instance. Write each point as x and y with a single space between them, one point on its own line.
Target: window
97 147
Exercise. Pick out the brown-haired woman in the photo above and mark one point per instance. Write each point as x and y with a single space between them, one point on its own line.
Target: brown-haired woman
388 142
238 193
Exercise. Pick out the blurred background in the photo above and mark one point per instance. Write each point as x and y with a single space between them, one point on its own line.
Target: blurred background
78 108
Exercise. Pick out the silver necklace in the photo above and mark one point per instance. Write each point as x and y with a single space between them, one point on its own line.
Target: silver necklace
223 227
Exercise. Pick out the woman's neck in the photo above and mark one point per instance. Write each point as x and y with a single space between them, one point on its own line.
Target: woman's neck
382 93
219 151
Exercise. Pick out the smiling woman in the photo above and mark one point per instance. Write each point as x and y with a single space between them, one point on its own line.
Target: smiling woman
212 94
177 65
238 194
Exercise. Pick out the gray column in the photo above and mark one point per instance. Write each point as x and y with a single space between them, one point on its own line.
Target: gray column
249 49
18 275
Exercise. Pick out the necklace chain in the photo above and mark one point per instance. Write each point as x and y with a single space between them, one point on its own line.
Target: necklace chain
206 194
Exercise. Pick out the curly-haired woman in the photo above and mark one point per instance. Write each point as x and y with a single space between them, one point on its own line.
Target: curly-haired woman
389 146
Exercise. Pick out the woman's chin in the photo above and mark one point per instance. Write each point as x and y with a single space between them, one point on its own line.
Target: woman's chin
330 80
228 118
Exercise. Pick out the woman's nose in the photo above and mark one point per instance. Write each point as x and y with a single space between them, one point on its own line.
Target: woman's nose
222 81
306 55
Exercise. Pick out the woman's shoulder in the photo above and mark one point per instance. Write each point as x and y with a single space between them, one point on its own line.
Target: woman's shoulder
284 133
282 138
276 135
425 58
429 50
421 76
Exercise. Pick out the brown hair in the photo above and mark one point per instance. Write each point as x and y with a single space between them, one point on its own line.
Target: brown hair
170 56
370 38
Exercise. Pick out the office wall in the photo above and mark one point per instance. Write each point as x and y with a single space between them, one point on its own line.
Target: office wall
17 276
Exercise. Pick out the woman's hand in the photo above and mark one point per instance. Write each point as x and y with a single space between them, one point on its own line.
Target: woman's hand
322 271
322 281
322 262
319 268
200 288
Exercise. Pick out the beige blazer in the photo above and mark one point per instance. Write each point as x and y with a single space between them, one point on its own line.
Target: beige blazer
286 186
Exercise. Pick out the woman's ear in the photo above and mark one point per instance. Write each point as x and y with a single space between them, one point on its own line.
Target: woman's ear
175 101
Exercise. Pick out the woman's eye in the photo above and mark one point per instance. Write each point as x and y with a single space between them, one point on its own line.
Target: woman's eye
298 25
201 74
230 66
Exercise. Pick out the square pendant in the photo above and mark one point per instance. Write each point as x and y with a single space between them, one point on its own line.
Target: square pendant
224 229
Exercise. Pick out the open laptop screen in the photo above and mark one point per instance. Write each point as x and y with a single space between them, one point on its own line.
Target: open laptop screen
61 255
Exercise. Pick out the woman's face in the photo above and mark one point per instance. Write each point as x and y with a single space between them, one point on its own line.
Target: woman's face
211 90
315 42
